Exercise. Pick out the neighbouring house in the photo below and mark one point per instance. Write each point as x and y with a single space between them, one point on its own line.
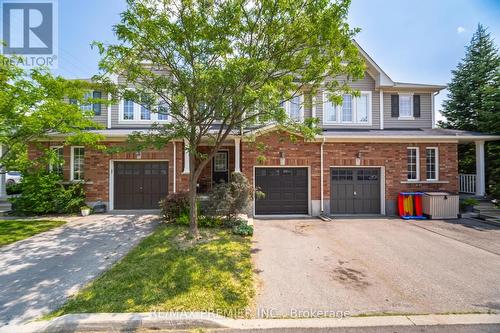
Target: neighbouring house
371 147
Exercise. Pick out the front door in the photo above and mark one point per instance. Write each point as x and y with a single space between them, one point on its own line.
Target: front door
220 167
355 191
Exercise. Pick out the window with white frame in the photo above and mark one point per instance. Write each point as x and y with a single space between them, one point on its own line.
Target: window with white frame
295 108
134 112
128 110
145 113
57 166
163 111
77 163
405 105
412 163
362 104
329 110
353 110
347 108
431 163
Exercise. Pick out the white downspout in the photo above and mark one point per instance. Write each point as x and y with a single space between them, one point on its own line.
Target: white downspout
381 111
175 167
433 108
321 178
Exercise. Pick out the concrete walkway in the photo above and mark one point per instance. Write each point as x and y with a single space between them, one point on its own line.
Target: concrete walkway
38 274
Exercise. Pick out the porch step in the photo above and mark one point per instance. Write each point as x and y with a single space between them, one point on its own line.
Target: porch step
488 212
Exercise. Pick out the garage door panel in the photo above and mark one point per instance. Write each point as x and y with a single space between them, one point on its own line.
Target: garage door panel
355 191
285 189
140 185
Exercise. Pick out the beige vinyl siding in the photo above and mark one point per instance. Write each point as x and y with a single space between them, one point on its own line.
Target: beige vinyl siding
366 84
424 121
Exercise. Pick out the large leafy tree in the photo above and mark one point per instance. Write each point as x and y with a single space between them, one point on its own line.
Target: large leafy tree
229 64
473 102
33 105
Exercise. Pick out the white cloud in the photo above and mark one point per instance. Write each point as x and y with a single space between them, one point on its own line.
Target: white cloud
460 30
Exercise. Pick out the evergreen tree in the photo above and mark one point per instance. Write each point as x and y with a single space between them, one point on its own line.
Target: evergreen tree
474 103
474 85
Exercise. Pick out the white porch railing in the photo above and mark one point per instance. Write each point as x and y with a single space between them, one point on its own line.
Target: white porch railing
467 183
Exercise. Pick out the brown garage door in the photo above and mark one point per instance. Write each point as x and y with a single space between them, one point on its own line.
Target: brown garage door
355 191
140 185
285 189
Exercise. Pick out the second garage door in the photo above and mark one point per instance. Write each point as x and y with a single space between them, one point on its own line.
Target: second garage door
140 185
285 190
355 191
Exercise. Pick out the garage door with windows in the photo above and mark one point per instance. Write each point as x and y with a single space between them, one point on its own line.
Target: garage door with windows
285 191
140 185
355 191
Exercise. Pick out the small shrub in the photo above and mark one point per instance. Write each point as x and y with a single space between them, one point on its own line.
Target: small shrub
182 219
230 199
470 202
210 221
12 189
174 206
243 229
43 193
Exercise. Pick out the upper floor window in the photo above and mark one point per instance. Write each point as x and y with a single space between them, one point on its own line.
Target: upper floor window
145 113
353 110
163 112
412 163
432 164
294 108
128 110
77 163
96 107
405 105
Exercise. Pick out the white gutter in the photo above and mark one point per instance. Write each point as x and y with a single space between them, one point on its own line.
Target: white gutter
321 177
381 111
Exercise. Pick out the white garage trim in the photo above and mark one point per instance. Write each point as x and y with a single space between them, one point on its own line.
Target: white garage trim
111 190
382 180
286 167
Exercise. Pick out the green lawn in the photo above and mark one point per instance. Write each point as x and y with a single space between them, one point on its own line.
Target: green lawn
14 230
168 272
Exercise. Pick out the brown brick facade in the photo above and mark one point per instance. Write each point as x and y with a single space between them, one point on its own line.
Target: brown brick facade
391 156
272 146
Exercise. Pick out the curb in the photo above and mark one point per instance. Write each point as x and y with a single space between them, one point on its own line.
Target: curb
106 322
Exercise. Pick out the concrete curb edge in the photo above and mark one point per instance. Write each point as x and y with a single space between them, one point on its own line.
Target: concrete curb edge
191 320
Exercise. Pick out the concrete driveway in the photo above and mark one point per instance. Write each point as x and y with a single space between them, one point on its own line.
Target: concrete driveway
38 274
376 266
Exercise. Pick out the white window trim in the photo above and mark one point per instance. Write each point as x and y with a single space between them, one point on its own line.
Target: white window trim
137 116
436 150
72 160
410 117
51 166
338 111
417 164
301 110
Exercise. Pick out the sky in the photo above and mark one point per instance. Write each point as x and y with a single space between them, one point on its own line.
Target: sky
412 41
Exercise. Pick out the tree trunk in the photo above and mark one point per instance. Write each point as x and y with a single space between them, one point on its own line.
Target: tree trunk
193 209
